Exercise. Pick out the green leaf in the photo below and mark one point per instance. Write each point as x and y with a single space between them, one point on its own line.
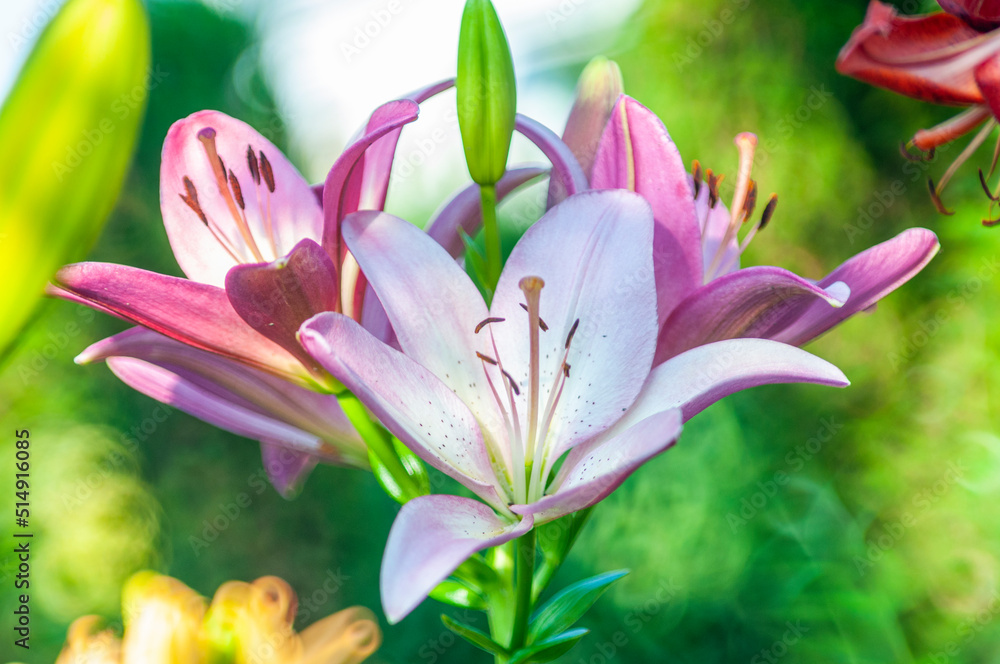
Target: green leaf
413 466
486 92
569 605
387 481
458 594
550 648
474 636
67 134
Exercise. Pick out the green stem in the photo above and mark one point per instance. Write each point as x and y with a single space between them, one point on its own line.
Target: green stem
488 197
524 575
378 441
554 561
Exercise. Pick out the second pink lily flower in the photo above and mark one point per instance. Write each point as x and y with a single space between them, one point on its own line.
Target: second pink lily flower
262 252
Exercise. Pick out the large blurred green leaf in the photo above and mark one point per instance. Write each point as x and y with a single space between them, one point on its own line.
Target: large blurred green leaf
67 132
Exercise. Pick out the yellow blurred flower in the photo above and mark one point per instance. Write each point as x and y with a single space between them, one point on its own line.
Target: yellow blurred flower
247 623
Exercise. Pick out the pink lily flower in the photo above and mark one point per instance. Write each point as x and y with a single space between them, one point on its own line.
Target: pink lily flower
943 58
262 252
560 366
702 294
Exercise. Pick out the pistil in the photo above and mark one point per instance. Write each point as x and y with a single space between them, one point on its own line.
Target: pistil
207 138
532 289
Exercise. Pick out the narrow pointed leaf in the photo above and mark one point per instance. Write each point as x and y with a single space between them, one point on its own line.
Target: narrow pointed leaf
458 594
474 636
569 605
549 649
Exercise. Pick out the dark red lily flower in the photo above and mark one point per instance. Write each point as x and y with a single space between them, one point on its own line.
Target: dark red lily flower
950 57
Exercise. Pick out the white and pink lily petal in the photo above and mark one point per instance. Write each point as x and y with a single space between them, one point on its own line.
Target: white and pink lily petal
495 397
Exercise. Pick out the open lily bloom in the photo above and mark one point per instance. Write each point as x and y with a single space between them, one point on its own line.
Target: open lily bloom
541 404
702 294
944 58
262 254
168 623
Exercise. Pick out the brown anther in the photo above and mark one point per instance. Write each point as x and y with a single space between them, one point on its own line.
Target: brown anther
713 187
234 184
751 200
487 321
765 217
936 198
572 331
986 188
486 358
252 164
265 170
192 199
541 323
904 149
510 381
696 173
565 369
990 223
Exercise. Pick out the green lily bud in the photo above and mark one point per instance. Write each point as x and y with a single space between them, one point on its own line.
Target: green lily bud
487 96
67 133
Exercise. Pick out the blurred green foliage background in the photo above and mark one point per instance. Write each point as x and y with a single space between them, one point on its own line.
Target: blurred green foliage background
791 523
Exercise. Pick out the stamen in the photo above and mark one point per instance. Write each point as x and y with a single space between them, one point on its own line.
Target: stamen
751 201
192 199
252 164
511 382
234 184
986 188
572 331
696 173
990 223
996 154
540 469
486 358
268 174
487 321
904 149
541 323
713 188
265 170
961 159
746 143
936 198
768 212
207 138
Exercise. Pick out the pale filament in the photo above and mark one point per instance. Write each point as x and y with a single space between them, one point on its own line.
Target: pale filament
230 189
741 209
528 454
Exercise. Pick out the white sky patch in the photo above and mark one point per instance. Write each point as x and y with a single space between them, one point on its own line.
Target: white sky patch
331 62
